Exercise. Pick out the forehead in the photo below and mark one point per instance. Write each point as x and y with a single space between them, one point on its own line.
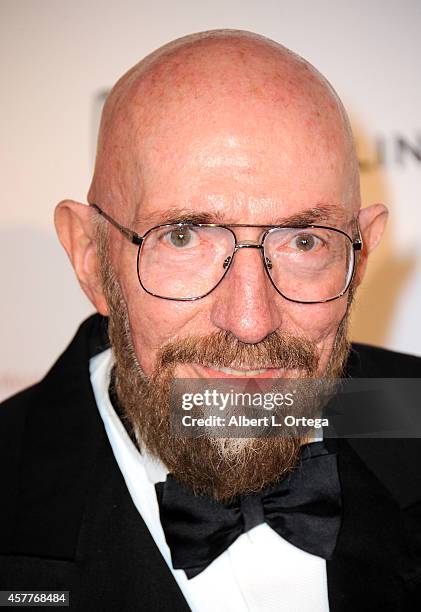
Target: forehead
246 175
232 143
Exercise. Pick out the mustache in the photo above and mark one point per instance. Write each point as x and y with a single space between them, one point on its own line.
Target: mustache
223 349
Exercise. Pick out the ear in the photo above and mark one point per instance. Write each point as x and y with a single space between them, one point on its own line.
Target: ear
76 231
372 222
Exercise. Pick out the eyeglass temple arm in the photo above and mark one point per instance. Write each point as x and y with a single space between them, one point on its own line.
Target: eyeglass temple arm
127 233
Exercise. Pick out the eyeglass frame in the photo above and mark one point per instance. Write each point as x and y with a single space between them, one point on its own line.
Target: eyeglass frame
138 240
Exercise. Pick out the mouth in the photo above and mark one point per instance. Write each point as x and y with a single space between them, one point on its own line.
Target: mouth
202 371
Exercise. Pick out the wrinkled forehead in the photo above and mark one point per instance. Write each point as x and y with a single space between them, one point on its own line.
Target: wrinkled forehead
214 123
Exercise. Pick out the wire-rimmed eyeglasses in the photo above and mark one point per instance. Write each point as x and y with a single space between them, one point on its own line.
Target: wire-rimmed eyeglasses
186 261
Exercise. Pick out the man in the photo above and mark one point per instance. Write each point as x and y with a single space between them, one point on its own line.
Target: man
223 239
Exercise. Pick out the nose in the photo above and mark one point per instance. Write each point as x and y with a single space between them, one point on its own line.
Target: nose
246 303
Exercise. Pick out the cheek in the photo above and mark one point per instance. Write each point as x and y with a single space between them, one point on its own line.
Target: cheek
319 320
153 322
319 323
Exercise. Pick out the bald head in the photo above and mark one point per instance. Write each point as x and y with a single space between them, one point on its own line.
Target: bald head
229 101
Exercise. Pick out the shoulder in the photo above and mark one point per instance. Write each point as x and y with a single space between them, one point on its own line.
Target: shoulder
47 403
394 461
90 339
367 361
49 435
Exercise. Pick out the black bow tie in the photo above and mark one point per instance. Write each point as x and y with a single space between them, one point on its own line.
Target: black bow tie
304 508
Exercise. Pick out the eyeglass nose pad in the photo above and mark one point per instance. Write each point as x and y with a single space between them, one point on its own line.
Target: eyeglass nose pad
227 262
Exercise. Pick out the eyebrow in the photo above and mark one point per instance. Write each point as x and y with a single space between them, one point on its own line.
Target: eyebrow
316 214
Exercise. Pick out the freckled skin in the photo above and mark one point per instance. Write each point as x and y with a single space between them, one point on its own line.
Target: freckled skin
233 123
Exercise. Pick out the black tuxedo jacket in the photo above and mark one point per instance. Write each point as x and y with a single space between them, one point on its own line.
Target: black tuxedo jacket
67 521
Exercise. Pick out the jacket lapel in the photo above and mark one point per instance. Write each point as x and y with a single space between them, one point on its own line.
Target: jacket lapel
122 566
61 436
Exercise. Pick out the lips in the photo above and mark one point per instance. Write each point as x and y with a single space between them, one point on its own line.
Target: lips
243 372
202 371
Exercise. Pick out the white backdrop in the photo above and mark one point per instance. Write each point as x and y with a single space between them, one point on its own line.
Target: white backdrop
56 60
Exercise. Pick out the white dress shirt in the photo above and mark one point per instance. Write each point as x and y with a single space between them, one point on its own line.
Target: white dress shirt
260 571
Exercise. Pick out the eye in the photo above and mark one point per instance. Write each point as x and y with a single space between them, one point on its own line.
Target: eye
181 237
305 242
